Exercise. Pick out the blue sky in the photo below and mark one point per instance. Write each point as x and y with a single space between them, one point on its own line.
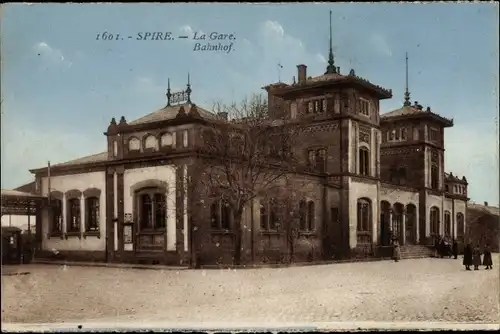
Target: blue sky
61 87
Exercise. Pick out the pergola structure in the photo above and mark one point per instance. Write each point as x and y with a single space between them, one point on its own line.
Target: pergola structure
20 203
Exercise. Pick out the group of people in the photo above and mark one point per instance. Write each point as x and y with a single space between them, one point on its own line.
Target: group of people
472 257
445 247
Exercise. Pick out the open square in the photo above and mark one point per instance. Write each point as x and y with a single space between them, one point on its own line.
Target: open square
417 290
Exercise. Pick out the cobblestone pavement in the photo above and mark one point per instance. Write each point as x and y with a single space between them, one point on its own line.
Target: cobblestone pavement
425 290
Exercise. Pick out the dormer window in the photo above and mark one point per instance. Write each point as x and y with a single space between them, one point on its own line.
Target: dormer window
167 140
150 143
134 144
364 107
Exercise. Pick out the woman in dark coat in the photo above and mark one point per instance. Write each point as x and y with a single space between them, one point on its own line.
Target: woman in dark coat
476 257
467 256
487 261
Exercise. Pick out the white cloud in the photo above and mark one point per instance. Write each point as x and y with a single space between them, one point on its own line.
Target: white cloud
50 54
380 44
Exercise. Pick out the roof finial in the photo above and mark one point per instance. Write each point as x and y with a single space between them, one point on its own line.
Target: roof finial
331 62
407 102
169 94
188 90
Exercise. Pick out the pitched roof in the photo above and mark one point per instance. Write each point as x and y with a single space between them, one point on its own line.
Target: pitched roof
492 210
414 110
451 177
28 188
170 112
9 192
330 78
85 160
404 111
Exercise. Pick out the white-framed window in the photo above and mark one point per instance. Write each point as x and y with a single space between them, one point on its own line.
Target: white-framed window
134 144
167 140
185 138
150 142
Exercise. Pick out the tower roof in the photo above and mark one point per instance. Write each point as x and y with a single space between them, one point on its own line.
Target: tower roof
414 112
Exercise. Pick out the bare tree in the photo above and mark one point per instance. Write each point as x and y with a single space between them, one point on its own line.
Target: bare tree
245 154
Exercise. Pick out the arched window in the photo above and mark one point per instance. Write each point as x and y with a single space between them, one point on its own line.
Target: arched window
434 177
167 140
447 188
364 161
310 216
74 216
434 219
364 215
150 143
392 135
404 133
221 215
152 209
134 144
447 224
92 214
303 215
57 217
460 226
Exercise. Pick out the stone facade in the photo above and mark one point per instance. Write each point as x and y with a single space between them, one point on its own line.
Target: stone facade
366 178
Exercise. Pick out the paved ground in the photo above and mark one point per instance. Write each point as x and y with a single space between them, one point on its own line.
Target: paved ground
425 290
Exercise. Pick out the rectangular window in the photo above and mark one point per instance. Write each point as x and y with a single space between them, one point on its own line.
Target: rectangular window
92 208
336 104
311 158
310 107
364 162
185 138
433 135
74 217
364 107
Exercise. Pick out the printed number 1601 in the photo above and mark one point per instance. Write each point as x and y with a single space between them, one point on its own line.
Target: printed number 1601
105 36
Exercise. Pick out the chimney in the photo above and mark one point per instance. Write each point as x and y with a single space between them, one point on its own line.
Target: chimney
485 203
302 73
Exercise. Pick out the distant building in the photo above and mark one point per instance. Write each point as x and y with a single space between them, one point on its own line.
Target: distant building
483 225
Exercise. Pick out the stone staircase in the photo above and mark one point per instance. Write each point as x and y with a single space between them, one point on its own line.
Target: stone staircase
416 251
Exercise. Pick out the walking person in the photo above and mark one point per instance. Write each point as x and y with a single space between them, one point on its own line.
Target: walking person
455 249
487 260
467 256
396 252
476 257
